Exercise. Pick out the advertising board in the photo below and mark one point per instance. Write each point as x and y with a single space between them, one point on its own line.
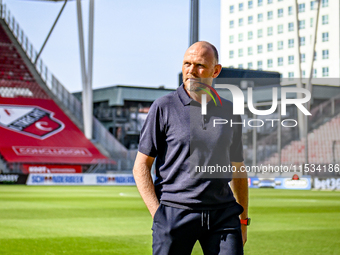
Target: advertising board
326 183
303 183
13 178
81 179
51 169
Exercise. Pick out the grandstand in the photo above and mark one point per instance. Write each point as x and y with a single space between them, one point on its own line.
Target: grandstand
323 140
15 74
41 121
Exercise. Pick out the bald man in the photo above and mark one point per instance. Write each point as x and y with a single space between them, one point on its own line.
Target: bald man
186 204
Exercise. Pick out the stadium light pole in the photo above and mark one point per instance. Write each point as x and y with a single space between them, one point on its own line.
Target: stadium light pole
86 73
301 118
194 17
309 84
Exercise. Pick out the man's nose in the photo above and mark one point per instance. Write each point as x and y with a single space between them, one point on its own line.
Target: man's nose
191 69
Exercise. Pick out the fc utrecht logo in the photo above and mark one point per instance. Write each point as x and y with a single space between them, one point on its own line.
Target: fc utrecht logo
30 120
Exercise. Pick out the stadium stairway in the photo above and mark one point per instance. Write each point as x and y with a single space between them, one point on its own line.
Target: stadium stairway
19 77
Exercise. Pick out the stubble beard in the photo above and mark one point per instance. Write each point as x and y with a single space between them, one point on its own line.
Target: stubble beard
198 84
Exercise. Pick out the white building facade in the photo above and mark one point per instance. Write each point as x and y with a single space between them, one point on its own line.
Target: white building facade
262 35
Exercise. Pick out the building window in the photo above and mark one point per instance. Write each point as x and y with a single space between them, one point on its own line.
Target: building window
231 24
270 15
250 4
280 12
259 2
324 3
303 73
325 72
280 29
270 1
250 35
291 26
280 45
270 47
303 57
269 63
240 22
240 37
311 22
231 9
291 43
250 50
302 41
231 38
301 24
240 52
259 33
324 19
302 7
259 65
315 72
313 5
325 37
240 7
280 61
325 54
240 66
290 10
231 54
259 49
270 31
250 65
290 60
250 19
290 75
315 55
259 17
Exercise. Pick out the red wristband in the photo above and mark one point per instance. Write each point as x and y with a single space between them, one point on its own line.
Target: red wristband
245 221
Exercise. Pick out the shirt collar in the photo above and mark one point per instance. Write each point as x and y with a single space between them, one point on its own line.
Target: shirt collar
183 96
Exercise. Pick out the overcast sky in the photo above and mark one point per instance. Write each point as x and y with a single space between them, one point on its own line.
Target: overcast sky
136 42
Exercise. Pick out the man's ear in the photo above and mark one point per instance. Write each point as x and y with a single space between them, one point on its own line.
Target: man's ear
218 69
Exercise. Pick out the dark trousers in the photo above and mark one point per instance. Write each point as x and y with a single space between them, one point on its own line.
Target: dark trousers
175 231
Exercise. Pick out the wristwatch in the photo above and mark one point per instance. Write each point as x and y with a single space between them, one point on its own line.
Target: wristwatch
245 221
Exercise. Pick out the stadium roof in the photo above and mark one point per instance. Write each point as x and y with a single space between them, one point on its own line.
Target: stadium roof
116 95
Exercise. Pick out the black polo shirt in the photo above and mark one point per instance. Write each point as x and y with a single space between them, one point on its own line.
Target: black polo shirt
185 143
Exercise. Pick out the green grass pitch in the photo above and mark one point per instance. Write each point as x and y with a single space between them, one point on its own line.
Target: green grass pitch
114 220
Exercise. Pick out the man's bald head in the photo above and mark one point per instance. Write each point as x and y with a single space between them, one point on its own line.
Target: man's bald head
208 46
200 66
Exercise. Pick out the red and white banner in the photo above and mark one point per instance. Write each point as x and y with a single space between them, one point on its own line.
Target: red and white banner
38 131
51 169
